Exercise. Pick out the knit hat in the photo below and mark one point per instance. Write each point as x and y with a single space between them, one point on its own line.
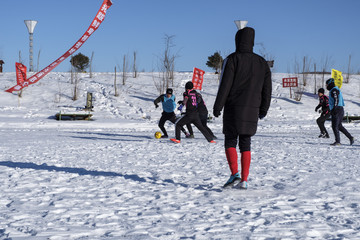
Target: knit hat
330 80
321 90
330 84
189 85
169 91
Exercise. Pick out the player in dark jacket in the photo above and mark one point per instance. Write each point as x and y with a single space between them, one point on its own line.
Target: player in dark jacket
325 113
203 114
336 105
169 105
192 115
245 94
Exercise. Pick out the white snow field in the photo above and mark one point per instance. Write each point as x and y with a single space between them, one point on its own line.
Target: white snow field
109 178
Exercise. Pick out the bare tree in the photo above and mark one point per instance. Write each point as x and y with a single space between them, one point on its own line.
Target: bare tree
38 59
159 82
115 85
298 91
134 66
124 70
168 61
347 79
267 56
306 69
325 63
315 86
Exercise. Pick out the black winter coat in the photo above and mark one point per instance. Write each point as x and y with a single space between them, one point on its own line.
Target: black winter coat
245 87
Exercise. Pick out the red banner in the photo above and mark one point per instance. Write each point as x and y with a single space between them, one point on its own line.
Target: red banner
20 73
198 78
290 82
92 28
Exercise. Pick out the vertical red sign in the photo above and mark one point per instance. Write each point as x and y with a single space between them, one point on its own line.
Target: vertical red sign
198 78
20 73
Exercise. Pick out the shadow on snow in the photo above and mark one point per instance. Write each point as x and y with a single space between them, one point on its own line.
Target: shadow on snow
85 172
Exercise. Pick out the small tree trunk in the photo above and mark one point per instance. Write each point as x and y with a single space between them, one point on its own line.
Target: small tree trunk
124 70
315 78
115 85
91 60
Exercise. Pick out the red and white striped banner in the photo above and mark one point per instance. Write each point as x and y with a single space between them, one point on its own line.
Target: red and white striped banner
100 16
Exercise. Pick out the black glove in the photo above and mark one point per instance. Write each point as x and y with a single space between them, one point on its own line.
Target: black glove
216 113
261 116
180 102
316 109
156 106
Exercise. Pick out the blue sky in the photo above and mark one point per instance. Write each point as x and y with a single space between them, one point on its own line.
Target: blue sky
286 30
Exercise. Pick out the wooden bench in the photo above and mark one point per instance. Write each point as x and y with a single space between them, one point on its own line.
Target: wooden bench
73 116
351 118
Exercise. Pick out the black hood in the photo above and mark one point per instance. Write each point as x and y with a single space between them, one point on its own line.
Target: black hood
244 40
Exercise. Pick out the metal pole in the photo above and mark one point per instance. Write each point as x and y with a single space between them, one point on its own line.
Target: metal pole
30 24
31 51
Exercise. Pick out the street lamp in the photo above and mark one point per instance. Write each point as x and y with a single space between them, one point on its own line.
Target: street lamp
30 24
240 24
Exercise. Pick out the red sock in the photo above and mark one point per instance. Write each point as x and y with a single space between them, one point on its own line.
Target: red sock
245 165
232 158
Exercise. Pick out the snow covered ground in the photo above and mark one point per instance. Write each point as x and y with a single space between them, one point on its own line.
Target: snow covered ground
111 179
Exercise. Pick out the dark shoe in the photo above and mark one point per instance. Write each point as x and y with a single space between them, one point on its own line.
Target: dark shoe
322 135
326 135
164 136
233 179
189 136
214 137
335 144
352 140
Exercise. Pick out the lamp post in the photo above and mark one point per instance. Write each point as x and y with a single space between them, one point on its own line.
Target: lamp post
30 24
240 24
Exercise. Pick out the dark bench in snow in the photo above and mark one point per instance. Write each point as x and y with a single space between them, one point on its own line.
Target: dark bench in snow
73 116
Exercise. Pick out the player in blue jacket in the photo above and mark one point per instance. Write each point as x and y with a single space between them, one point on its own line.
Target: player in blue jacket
168 105
336 105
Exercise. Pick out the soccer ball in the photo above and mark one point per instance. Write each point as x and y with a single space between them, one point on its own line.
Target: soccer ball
158 135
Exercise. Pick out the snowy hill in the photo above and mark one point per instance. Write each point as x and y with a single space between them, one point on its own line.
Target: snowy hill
109 178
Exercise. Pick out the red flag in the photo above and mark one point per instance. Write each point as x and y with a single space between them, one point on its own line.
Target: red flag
92 28
198 78
20 73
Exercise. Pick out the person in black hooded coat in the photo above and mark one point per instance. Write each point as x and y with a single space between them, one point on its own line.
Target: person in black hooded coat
245 94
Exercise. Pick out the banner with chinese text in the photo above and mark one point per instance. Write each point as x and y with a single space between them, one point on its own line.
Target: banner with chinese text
20 73
337 76
92 28
198 78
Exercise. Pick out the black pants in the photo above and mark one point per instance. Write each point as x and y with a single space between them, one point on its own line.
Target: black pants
165 116
337 116
203 119
231 141
194 119
321 122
